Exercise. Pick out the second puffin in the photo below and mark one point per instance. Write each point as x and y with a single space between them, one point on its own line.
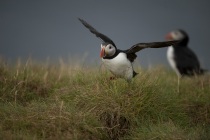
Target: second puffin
119 62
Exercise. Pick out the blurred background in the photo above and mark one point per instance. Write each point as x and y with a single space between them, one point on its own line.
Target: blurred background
48 30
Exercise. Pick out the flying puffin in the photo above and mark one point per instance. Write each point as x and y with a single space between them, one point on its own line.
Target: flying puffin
119 62
181 58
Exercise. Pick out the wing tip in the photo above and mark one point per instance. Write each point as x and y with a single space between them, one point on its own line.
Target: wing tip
81 20
174 42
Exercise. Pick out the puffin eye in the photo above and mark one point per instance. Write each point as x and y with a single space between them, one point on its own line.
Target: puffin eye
176 33
110 47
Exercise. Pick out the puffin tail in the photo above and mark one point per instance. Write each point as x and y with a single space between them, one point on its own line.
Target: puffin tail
134 73
202 71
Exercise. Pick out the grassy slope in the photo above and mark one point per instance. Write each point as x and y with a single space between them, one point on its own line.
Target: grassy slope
62 102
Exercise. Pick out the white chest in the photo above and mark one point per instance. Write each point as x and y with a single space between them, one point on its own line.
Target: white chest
170 57
120 66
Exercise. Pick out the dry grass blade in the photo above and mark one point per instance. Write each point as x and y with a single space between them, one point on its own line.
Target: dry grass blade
39 101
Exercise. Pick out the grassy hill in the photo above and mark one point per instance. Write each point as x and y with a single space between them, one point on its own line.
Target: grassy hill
41 101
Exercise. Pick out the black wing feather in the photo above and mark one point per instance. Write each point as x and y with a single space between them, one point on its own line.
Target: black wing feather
137 47
98 34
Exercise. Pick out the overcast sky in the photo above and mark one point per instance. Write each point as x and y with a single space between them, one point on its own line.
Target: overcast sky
43 29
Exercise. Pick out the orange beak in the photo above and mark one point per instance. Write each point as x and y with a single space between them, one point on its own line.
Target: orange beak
169 37
102 53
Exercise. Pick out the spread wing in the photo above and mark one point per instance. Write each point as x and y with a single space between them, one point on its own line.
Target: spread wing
137 47
94 31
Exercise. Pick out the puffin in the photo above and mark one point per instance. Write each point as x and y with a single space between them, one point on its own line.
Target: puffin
120 62
180 57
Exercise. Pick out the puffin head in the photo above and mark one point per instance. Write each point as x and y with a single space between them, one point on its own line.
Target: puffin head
178 34
107 50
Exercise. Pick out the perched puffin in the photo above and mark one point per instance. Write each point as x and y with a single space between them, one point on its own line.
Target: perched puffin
119 62
181 58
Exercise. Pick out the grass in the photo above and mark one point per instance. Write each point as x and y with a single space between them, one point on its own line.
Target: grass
41 101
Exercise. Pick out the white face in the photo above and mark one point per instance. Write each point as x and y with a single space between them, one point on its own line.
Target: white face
109 50
177 35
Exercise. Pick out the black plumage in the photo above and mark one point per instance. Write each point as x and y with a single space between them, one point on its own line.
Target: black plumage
119 62
135 48
184 58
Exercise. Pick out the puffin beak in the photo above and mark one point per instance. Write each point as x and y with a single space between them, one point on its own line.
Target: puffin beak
169 37
102 53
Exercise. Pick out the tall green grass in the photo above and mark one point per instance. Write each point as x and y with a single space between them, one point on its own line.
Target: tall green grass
43 101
